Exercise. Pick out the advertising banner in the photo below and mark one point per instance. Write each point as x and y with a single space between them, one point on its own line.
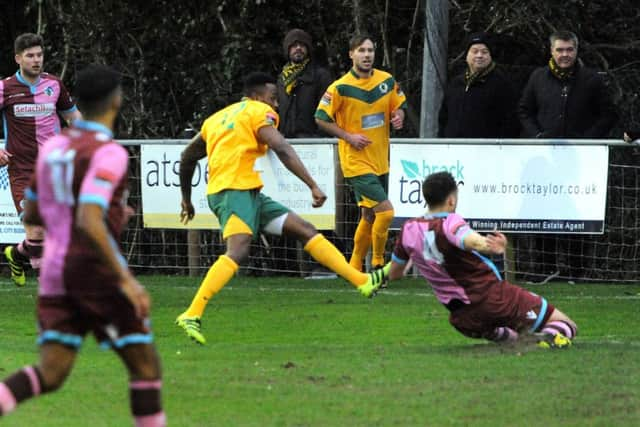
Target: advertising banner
161 186
516 189
11 229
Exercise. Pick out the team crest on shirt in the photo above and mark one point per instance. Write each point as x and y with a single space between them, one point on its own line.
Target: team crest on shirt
326 99
384 88
271 119
49 91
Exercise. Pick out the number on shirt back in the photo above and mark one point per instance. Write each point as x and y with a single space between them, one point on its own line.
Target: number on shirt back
430 251
61 165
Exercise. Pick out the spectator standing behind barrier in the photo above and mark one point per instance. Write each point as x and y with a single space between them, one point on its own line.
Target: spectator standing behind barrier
301 84
565 99
481 102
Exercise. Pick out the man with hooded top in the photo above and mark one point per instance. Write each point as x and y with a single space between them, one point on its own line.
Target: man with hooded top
301 84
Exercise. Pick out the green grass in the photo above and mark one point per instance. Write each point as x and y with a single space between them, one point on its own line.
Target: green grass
290 352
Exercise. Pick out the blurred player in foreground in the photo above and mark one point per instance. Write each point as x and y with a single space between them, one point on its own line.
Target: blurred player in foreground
232 139
448 254
79 195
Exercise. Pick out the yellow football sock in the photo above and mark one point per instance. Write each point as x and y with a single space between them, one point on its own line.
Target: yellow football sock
362 241
218 275
328 255
380 232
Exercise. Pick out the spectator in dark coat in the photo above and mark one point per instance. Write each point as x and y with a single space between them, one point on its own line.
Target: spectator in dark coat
481 102
301 84
565 99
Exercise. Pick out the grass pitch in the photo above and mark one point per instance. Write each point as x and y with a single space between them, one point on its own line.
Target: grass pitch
291 352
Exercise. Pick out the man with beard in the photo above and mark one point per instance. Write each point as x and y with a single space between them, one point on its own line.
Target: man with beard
30 101
358 109
301 84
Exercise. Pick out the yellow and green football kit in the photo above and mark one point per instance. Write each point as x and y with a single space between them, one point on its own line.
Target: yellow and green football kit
364 106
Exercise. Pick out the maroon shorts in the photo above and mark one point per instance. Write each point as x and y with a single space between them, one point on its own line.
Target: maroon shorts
19 181
110 317
505 304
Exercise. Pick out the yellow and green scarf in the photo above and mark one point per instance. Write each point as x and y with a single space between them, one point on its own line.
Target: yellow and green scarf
290 74
470 78
560 73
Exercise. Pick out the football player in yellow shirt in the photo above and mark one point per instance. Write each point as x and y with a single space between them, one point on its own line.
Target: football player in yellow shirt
232 139
357 109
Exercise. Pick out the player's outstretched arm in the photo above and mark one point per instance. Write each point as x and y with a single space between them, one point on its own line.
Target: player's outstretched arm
90 222
196 150
492 244
288 156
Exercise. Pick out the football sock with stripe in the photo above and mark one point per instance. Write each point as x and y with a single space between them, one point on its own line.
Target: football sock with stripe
361 243
503 334
22 385
379 234
146 404
559 326
34 249
329 256
220 273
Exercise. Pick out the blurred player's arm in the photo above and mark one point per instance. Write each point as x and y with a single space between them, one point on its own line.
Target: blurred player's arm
91 223
491 244
70 116
288 156
196 150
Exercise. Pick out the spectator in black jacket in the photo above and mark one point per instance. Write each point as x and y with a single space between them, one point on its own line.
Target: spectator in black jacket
481 102
565 99
301 84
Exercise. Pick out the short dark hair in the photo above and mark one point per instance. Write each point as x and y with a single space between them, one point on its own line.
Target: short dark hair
437 187
95 85
567 36
358 39
255 82
25 41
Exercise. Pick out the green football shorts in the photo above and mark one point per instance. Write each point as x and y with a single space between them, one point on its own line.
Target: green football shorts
369 189
244 211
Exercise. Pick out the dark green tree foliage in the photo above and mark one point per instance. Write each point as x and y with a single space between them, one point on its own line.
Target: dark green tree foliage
182 60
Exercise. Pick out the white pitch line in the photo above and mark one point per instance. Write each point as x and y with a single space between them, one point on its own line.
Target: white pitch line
383 293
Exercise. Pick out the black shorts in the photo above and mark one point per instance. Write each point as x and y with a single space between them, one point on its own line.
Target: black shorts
110 317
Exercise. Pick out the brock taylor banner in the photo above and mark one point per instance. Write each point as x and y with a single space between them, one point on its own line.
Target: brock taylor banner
516 189
161 186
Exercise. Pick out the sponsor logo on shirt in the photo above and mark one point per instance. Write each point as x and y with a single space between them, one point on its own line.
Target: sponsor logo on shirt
372 121
34 110
13 95
271 119
326 99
